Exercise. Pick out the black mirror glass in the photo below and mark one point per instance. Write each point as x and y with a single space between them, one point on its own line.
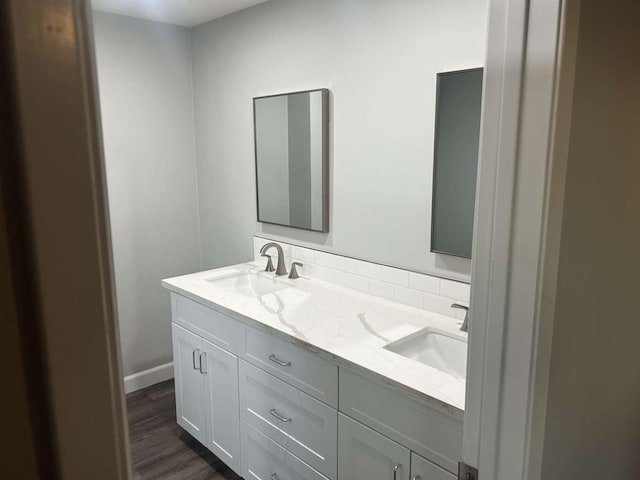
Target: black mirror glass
457 137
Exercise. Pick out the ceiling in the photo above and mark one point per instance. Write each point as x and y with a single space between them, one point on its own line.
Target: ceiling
187 13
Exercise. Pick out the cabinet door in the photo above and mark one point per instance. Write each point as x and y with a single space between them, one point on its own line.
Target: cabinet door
190 408
423 469
366 455
220 369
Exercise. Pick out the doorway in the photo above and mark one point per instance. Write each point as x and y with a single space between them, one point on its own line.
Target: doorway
96 209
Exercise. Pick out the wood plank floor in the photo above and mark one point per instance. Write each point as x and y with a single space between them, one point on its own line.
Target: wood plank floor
160 449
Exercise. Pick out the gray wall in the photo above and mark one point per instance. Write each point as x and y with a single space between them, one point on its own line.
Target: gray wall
593 414
380 60
146 97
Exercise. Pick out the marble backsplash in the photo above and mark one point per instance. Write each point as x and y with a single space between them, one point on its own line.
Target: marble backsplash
410 288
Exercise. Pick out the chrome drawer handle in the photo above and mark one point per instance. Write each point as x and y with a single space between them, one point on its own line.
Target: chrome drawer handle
203 363
275 359
275 413
194 354
396 467
274 476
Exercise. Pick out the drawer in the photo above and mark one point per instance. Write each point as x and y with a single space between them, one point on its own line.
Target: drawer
301 424
413 424
264 459
423 469
296 366
205 322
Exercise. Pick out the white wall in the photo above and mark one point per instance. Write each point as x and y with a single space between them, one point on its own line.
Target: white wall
593 413
146 97
379 59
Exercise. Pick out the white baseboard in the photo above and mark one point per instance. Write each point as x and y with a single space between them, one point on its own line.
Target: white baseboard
146 378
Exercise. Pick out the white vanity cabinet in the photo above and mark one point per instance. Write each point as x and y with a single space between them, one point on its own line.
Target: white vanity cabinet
273 409
206 379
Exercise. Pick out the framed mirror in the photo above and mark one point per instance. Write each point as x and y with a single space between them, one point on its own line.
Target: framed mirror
455 162
292 159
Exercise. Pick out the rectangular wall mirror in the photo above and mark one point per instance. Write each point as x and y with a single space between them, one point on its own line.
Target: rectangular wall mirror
292 159
457 136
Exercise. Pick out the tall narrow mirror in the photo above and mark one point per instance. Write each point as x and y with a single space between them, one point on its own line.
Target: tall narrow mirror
458 109
291 136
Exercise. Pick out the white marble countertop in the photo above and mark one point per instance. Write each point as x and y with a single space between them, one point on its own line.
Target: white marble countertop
342 325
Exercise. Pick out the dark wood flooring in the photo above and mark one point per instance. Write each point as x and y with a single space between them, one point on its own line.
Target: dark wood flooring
160 449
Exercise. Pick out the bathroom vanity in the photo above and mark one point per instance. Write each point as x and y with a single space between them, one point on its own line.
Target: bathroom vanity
304 379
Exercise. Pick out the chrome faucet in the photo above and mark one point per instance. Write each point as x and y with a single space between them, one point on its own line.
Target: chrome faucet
465 322
281 269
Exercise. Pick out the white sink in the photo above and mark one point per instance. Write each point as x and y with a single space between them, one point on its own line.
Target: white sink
437 348
250 284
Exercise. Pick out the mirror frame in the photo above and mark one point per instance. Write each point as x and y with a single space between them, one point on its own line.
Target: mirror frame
325 159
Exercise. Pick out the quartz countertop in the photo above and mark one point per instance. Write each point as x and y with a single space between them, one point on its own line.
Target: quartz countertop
342 325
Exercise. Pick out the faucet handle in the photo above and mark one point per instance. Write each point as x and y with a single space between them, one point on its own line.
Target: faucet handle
294 271
269 267
465 322
460 306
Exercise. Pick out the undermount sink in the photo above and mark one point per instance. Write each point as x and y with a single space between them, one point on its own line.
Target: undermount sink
439 349
250 284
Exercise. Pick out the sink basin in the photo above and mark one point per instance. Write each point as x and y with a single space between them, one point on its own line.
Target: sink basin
439 349
249 284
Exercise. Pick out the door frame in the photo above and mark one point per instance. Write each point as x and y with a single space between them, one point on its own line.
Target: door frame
528 86
531 49
57 178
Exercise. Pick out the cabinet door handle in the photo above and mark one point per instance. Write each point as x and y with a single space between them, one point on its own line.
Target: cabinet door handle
194 354
203 363
275 413
275 359
274 476
416 477
396 467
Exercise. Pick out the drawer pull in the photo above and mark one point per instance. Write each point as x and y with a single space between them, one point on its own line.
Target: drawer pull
396 467
275 413
275 359
203 363
416 477
274 476
194 354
